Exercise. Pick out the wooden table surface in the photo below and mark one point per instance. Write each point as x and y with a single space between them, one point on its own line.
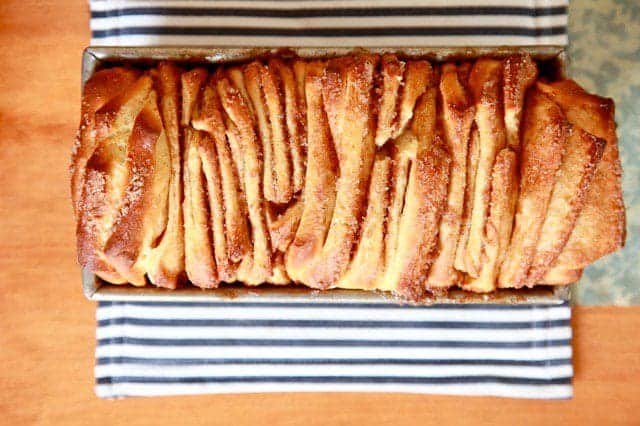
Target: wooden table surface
47 328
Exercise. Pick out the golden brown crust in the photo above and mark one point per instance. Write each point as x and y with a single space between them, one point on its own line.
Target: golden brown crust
403 152
319 191
192 82
300 73
520 72
424 201
581 156
283 228
417 77
236 77
240 212
263 88
279 275
473 155
368 261
207 115
332 87
390 81
464 70
432 209
133 226
138 222
253 83
485 85
601 227
103 86
275 103
456 116
200 265
166 263
544 141
348 84
106 176
295 119
211 169
258 267
559 276
212 120
504 194
88 228
199 258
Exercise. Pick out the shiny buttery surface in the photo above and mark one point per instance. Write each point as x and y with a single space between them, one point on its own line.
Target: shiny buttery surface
47 327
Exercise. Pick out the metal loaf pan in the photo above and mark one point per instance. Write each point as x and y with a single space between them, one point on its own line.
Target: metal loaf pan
550 58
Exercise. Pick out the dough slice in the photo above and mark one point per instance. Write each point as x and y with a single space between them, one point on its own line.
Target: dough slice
601 227
107 175
504 195
367 265
142 217
473 156
211 119
391 78
581 156
347 88
166 261
295 118
424 202
456 118
255 269
100 89
520 72
199 256
485 83
544 141
319 191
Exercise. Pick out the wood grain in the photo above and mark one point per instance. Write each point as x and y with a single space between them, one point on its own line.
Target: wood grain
47 328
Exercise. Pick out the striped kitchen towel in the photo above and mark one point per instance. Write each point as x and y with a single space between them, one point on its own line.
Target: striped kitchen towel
165 348
330 22
170 348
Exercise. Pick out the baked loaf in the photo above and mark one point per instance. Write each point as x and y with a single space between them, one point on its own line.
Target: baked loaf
362 172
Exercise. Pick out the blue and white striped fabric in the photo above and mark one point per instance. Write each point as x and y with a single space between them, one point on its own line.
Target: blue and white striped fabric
330 22
162 348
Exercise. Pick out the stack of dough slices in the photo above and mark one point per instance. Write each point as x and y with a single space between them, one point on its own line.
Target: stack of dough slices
362 172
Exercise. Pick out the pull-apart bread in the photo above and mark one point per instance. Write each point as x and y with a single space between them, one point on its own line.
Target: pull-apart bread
362 172
125 177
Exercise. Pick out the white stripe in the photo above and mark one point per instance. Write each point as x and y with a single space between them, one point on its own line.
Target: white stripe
295 41
495 389
320 4
327 22
269 370
335 313
408 334
253 352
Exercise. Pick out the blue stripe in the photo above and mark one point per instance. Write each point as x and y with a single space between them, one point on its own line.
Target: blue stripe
336 379
330 361
405 31
331 343
497 325
332 12
337 305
